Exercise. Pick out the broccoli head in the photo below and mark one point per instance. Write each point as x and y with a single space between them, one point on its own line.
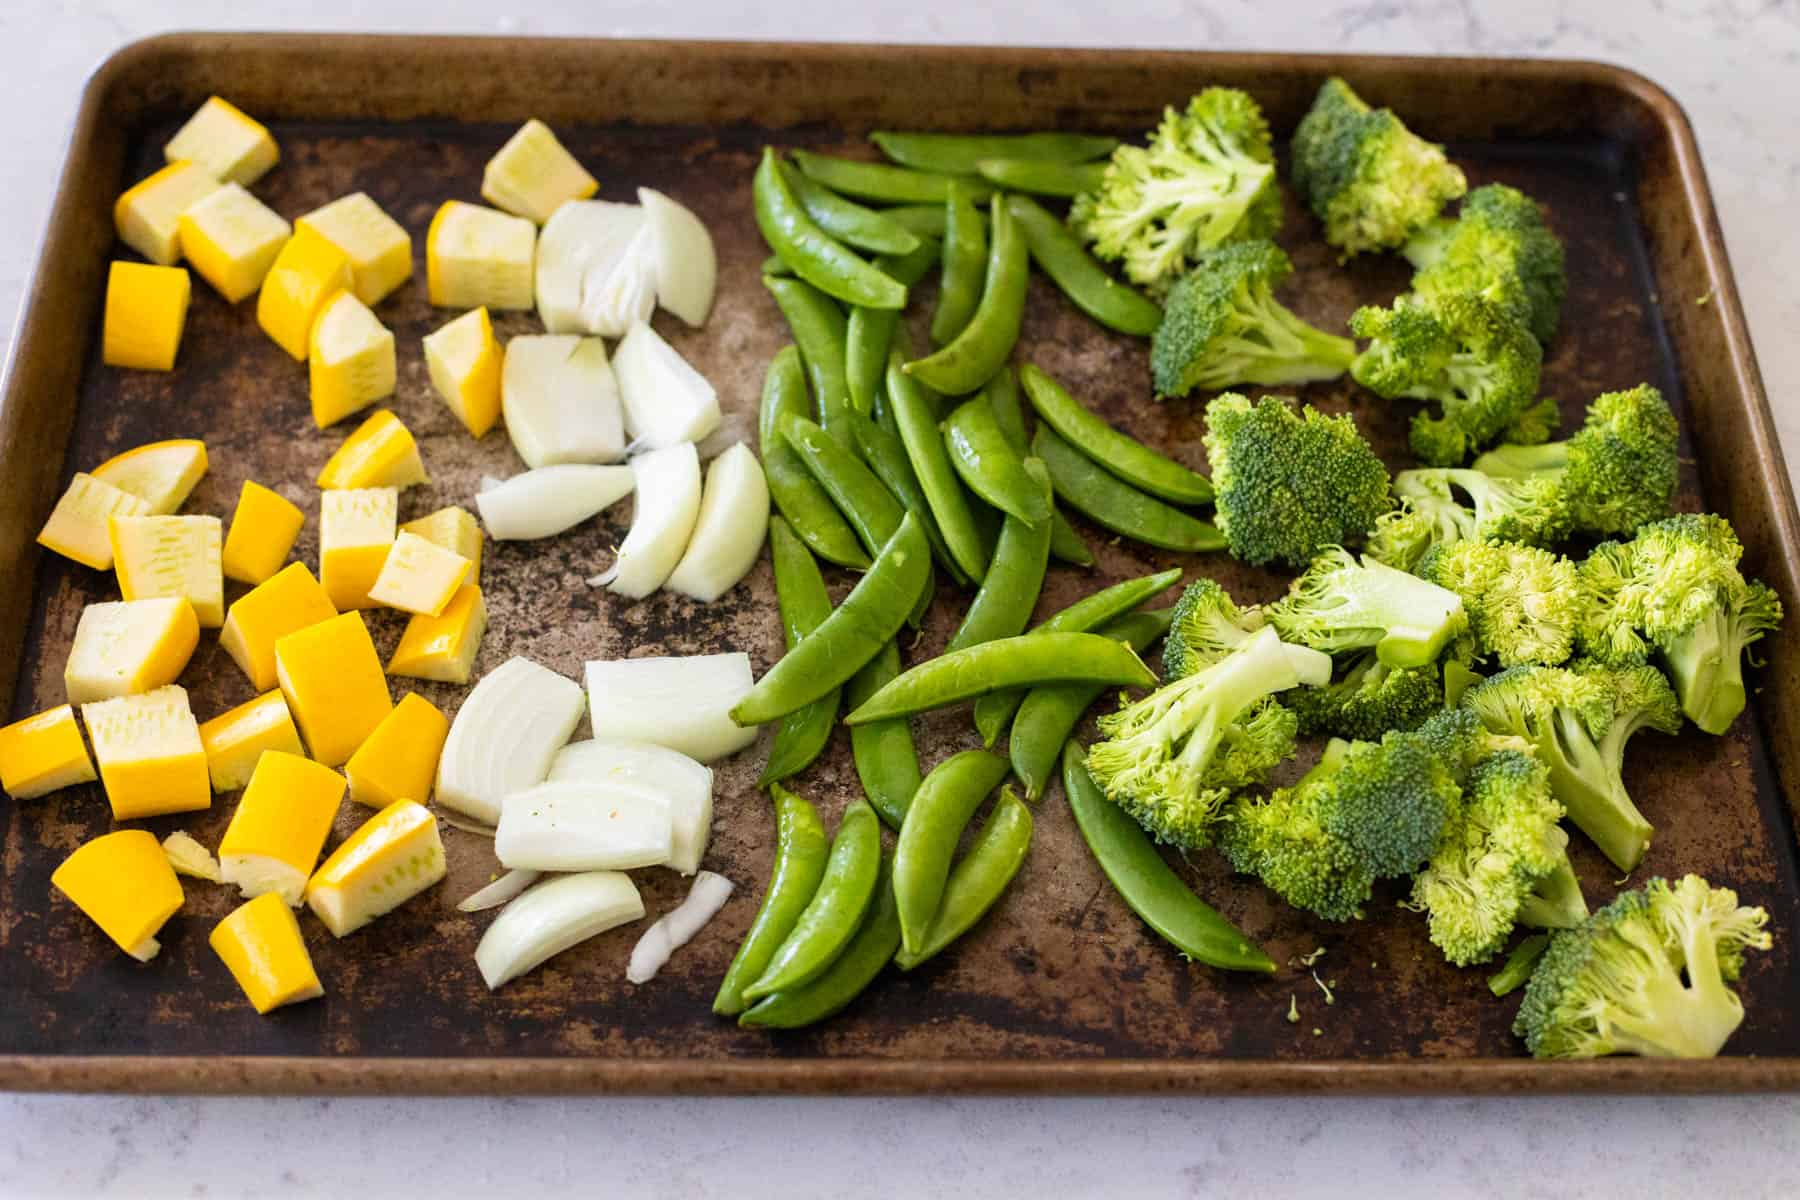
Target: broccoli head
1536 425
1524 604
1204 627
1432 512
1372 181
1222 326
1367 699
1341 604
1647 975
1289 481
1499 248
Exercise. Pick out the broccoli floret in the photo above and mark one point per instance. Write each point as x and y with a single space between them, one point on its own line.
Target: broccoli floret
1222 326
1281 840
1289 481
1524 604
1647 975
1676 588
1618 470
1473 359
1371 181
1205 626
1498 248
1206 178
1340 604
1368 699
1432 513
1390 801
1536 425
1458 737
1172 759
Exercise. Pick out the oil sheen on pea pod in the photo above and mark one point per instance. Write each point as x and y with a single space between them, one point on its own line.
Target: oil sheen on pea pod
989 465
928 838
796 494
800 853
1119 453
1111 502
815 255
847 220
836 909
878 441
1024 661
977 882
850 973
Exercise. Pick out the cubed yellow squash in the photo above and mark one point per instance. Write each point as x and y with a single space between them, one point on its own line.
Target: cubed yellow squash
161 473
356 529
78 527
263 529
148 216
350 363
236 739
44 753
220 137
381 453
394 856
418 576
332 679
172 556
289 600
146 310
379 249
126 647
456 530
442 648
308 272
464 360
190 858
280 826
533 174
399 759
125 885
261 945
479 257
232 239
149 753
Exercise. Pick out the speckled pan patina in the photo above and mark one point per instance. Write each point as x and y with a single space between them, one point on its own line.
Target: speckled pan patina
1061 988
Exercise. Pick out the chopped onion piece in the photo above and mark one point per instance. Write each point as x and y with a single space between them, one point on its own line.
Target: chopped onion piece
550 918
499 891
666 400
728 535
677 927
687 784
549 500
581 238
625 294
585 825
687 267
683 703
668 504
560 400
504 736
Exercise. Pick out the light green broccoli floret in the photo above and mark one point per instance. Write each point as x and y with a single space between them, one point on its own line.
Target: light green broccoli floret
1341 604
1205 626
1367 699
1524 604
1499 248
1432 512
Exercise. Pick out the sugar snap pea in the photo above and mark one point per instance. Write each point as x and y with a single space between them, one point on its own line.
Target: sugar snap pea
1119 453
800 595
978 881
887 763
1148 884
878 441
815 255
846 978
799 497
1014 578
1042 178
990 466
934 824
1060 255
855 632
915 414
819 330
965 266
1024 661
926 220
1065 544
776 265
985 342
1002 392
1117 505
961 153
881 182
800 851
870 333
847 220
833 915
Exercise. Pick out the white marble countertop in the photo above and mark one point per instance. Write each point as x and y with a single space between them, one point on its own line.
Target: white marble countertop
1734 64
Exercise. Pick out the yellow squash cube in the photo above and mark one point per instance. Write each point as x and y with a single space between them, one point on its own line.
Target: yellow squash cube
394 856
190 858
232 239
79 525
172 556
381 453
533 175
146 309
280 826
442 648
308 272
124 884
379 249
160 473
260 944
149 754
464 359
332 679
227 143
126 647
234 740
477 257
356 529
399 759
44 753
456 530
419 577
351 361
263 529
148 217
288 601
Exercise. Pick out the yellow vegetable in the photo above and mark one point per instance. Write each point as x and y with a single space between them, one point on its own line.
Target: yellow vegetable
124 884
189 857
260 944
456 530
263 529
77 527
308 272
399 759
477 257
44 753
443 647
533 175
161 473
351 361
148 216
149 753
236 739
379 250
381 453
464 359
172 556
280 826
124 647
146 308
232 239
394 856
419 577
289 600
356 528
227 143
332 679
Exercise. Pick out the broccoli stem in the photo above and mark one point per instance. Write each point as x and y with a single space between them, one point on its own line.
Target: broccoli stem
1594 795
1706 666
1523 462
1519 964
1556 901
1671 1020
1274 347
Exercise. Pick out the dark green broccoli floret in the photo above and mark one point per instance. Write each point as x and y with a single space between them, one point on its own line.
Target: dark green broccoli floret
1647 974
1205 626
1340 604
1281 840
1524 604
1499 248
1532 511
1367 699
1206 178
1371 181
1222 326
1289 481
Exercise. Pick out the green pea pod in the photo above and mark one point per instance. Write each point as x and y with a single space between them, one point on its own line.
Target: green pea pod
819 330
1117 505
815 255
1066 545
915 415
834 913
985 342
1003 606
878 441
965 266
870 334
934 825
1002 395
804 603
1119 453
926 220
1049 714
880 182
1060 255
962 153
799 497
887 763
1024 661
848 975
799 865
1148 884
776 265
1065 180
977 882
855 632
847 220
863 499
989 465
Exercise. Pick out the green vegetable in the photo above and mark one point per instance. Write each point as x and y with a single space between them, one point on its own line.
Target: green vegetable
1368 698
800 853
887 763
915 415
819 330
804 603
1534 511
1066 544
1119 453
847 220
1498 248
1023 661
1517 968
1340 604
977 882
962 153
881 447
1115 504
1524 604
1206 626
1042 178
981 347
796 494
988 464
835 911
815 255
1060 255
864 500
844 980
880 182
934 824
869 334
926 220
965 266
1002 608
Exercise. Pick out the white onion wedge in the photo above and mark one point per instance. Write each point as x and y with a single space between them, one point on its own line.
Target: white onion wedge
549 500
552 917
729 533
584 825
498 892
668 504
504 736
666 400
687 267
624 293
561 400
687 784
678 926
683 703
582 237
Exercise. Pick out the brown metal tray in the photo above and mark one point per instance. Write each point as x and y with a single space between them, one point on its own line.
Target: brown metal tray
1061 989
